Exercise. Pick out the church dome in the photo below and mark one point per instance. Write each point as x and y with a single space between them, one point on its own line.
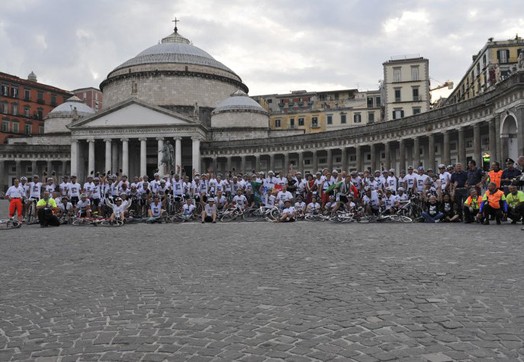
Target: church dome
67 109
173 74
238 111
174 49
63 115
239 102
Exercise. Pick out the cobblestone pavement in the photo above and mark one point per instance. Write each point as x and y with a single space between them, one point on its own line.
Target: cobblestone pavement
262 292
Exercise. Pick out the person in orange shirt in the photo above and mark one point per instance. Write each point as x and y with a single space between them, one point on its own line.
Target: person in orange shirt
493 204
495 174
471 206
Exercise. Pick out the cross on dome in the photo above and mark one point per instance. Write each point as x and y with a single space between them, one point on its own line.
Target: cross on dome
176 22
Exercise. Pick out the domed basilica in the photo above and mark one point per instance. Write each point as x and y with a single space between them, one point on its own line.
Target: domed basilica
158 107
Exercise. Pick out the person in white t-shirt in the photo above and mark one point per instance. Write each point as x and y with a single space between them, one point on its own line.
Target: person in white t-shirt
288 213
188 210
313 207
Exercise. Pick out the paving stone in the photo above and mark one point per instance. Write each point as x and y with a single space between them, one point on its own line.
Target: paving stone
155 293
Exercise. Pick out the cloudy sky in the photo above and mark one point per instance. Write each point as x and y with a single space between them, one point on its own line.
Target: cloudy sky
274 45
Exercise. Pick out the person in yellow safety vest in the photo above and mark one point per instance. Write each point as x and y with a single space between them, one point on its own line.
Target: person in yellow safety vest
471 206
515 200
495 174
493 204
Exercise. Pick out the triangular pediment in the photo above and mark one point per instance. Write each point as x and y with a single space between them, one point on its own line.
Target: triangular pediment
133 113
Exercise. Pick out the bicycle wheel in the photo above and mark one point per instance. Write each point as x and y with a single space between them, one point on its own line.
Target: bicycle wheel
274 214
253 215
402 218
227 217
78 222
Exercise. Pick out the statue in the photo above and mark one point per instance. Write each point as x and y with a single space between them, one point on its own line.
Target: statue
520 61
196 111
168 156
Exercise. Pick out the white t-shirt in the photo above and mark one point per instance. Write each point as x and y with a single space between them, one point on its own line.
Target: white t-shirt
73 189
35 189
188 209
156 209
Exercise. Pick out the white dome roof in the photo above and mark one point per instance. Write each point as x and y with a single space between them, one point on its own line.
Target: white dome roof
67 108
174 49
239 102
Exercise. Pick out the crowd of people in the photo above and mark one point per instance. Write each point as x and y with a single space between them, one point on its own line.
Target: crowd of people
452 193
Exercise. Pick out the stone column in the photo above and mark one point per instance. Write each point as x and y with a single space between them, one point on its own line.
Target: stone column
446 159
257 162
74 157
373 152
114 158
143 156
91 156
476 144
431 151
329 159
178 154
300 165
34 167
498 141
160 145
315 161
49 167
228 163
64 168
125 156
19 171
3 174
358 158
108 155
401 155
344 158
243 164
415 154
286 163
272 162
461 146
196 153
387 154
492 141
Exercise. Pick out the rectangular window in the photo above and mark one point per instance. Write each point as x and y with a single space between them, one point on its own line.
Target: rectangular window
370 102
292 122
277 123
357 118
53 100
27 111
377 101
301 121
414 72
314 122
397 75
307 162
5 126
416 97
40 113
469 144
371 117
27 95
27 129
322 160
330 119
4 90
4 108
14 108
15 127
503 56
14 92
397 95
40 97
398 113
416 110
343 119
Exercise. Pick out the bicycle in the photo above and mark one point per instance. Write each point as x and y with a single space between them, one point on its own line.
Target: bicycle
261 213
32 215
7 224
231 214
